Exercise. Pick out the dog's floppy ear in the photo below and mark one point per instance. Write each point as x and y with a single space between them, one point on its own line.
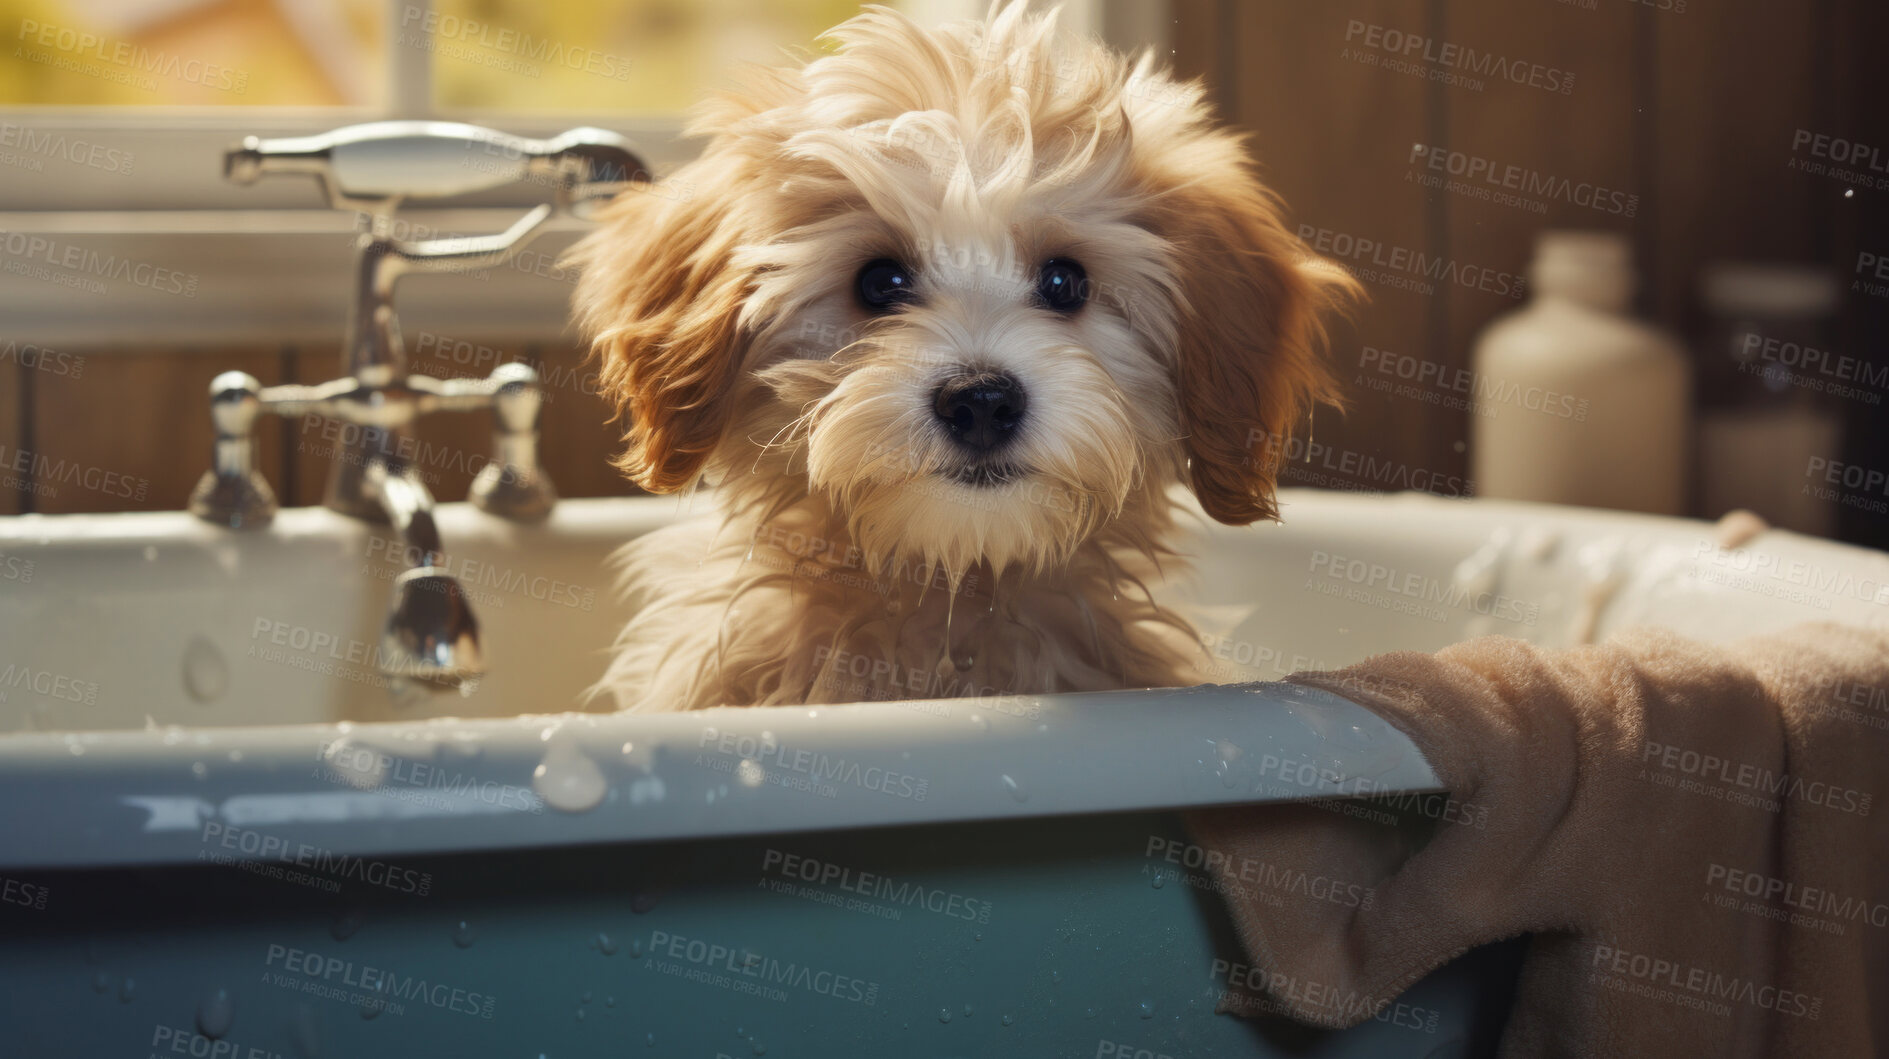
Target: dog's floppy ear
659 300
1251 334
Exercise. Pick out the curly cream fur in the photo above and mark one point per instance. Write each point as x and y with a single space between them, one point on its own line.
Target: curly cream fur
845 562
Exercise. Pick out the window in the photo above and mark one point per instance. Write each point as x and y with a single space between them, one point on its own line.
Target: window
114 115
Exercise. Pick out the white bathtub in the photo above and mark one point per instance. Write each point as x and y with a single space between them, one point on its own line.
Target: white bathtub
165 685
207 661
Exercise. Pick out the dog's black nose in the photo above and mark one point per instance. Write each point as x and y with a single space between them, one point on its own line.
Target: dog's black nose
981 411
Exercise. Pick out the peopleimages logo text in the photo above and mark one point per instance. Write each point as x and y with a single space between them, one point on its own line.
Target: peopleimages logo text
743 964
379 982
875 886
1458 57
817 765
1525 181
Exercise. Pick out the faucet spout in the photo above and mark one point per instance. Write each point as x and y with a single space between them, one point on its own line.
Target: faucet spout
431 636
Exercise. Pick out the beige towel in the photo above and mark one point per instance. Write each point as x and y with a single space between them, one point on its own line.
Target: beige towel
1693 833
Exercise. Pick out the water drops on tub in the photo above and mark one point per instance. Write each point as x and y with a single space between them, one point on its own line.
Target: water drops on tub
1737 528
1017 792
567 779
216 1013
1603 571
206 673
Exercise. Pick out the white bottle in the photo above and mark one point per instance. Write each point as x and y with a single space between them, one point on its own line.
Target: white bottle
1575 402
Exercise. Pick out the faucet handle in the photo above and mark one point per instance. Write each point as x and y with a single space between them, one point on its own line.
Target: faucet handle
376 165
512 485
232 492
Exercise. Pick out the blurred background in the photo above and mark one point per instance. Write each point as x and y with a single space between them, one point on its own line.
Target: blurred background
1707 330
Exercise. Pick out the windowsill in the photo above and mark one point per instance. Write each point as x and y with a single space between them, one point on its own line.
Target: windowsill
101 281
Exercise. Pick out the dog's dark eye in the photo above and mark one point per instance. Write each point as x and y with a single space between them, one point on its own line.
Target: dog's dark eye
1062 285
884 283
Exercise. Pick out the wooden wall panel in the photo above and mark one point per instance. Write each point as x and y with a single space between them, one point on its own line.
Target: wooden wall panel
1331 129
131 431
1851 84
579 441
1733 84
1193 41
308 443
12 398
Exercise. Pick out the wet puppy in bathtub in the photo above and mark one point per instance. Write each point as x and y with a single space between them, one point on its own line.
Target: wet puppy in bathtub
942 317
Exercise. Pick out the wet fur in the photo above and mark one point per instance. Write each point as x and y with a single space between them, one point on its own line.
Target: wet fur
841 562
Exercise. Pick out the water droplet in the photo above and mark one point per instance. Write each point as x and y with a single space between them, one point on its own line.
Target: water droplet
585 999
1088 1013
215 1013
1146 1010
750 773
1158 881
1055 977
126 990
649 1041
568 780
206 671
964 662
199 769
944 1014
101 982
739 1032
978 722
757 1048
580 1014
642 901
1016 789
464 935
1007 1020
609 1001
345 925
967 1011
606 945
636 948
361 767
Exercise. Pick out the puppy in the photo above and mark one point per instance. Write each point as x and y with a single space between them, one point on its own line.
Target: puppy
943 317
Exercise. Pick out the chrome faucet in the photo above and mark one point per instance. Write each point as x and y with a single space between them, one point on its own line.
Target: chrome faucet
431 634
